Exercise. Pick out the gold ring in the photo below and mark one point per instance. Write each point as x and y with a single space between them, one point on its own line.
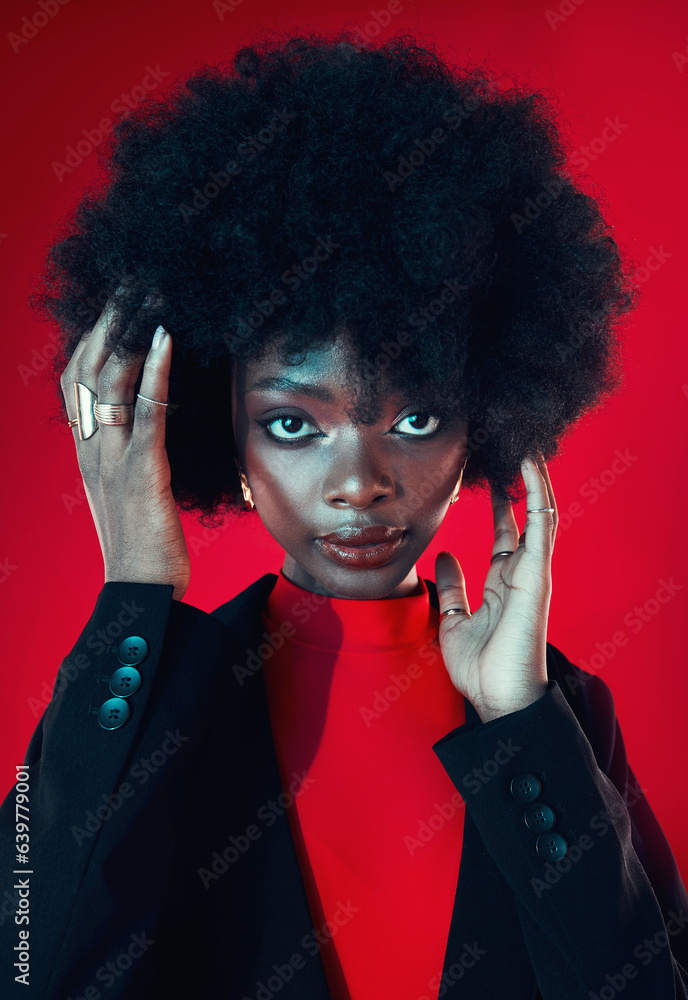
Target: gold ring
149 400
454 611
114 413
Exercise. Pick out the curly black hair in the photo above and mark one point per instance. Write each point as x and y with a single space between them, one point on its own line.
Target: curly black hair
319 184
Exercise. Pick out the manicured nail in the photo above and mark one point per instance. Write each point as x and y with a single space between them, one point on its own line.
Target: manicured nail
158 337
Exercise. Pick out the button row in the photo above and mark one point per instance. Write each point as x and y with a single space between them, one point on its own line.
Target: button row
124 682
538 816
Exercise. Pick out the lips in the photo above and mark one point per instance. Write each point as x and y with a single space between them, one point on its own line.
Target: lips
361 548
352 536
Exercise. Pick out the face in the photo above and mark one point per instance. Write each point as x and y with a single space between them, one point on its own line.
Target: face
353 505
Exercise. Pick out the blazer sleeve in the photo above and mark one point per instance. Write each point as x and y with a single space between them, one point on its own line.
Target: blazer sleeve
610 915
90 789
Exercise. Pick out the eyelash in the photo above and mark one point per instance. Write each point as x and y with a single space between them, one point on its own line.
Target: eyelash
266 422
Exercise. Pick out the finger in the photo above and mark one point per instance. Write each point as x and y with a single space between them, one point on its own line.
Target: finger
90 353
505 530
544 471
538 529
117 385
451 586
150 413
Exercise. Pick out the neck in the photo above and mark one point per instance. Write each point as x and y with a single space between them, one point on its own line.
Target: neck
293 571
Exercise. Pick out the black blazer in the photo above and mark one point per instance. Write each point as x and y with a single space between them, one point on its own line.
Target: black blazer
124 822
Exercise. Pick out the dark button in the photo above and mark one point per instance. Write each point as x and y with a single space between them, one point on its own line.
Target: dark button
113 713
539 816
525 787
125 681
132 650
551 846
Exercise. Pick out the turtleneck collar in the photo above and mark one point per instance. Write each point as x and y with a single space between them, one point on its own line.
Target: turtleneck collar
337 624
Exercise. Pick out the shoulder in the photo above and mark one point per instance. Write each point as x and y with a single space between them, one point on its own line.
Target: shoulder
248 603
591 701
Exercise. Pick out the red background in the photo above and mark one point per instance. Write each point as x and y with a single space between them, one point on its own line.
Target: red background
604 59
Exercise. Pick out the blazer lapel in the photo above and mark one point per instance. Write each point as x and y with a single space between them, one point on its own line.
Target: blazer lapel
267 885
484 920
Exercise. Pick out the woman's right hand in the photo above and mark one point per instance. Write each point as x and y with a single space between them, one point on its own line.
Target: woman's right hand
125 467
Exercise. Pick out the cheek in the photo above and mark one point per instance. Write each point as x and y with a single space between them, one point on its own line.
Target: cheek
280 481
428 482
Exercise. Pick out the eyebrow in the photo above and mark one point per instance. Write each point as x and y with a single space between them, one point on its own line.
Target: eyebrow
281 384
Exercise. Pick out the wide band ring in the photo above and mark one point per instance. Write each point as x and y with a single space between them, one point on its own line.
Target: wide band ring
454 611
114 413
541 510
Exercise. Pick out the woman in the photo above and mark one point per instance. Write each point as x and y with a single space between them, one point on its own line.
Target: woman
343 782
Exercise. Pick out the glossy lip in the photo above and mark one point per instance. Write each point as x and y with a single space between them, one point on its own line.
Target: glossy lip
362 548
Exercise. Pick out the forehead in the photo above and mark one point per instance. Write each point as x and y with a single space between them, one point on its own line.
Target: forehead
328 371
334 362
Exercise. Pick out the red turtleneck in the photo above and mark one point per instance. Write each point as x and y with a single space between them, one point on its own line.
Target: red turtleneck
357 696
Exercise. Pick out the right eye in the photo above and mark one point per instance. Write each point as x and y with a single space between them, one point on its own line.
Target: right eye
289 428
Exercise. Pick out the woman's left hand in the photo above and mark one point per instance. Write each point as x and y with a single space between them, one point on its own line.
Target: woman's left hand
497 657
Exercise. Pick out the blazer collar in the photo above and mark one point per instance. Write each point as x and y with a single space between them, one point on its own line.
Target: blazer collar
485 911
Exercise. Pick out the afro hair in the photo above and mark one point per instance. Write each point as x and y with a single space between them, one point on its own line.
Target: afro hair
317 184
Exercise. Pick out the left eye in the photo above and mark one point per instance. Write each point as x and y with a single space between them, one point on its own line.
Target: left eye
418 425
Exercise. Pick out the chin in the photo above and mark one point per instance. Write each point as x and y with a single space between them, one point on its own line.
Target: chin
362 584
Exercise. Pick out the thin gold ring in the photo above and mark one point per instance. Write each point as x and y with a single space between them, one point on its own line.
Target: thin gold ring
149 400
454 611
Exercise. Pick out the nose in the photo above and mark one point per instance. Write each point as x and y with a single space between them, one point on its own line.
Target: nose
357 477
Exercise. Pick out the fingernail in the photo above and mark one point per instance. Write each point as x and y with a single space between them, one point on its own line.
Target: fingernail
158 336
